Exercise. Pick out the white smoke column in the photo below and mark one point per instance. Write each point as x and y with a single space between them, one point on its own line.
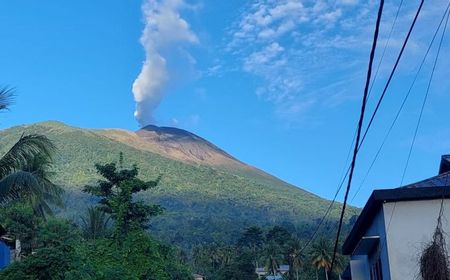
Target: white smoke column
164 28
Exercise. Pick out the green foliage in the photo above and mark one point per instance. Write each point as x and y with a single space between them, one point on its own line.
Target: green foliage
240 268
203 204
275 246
63 254
252 238
295 257
24 168
22 224
116 198
52 259
139 257
95 224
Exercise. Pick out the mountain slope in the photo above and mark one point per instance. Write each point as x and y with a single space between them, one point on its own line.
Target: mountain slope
208 195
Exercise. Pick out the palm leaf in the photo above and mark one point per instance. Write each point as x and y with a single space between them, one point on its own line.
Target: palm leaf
51 193
95 223
25 150
6 95
19 184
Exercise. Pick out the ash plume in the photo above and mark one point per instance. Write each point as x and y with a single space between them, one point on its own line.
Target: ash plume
164 29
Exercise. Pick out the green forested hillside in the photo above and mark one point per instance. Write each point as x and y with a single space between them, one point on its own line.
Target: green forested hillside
203 203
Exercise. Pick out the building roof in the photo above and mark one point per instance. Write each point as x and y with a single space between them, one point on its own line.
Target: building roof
445 164
283 267
432 188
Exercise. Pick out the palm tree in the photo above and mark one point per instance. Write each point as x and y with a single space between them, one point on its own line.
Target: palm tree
295 255
321 256
273 256
24 168
95 223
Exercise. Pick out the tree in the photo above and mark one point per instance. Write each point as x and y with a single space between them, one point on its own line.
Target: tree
273 256
95 223
52 259
24 168
240 268
253 239
22 224
116 198
278 235
295 257
321 256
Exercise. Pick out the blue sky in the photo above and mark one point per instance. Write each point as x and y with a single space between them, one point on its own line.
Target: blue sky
275 83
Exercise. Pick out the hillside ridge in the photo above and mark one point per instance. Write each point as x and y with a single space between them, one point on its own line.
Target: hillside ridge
207 199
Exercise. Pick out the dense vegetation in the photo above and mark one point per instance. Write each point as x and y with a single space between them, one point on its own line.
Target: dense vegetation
111 243
227 223
268 250
58 249
204 204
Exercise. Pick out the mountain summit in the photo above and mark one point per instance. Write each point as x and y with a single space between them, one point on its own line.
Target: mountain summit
182 144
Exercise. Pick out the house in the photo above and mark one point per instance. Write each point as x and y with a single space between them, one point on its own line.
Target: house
198 277
394 227
263 273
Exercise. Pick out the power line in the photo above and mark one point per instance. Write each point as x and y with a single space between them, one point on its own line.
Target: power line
377 107
367 129
322 220
378 69
358 144
422 108
424 100
385 47
403 102
360 124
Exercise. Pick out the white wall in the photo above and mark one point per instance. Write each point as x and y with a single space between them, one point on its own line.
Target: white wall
410 230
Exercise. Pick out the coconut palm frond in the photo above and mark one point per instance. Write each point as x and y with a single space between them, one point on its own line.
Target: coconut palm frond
51 193
19 184
40 166
41 205
6 97
95 223
24 151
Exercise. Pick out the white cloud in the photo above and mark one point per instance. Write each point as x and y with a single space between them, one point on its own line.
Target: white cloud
309 52
164 28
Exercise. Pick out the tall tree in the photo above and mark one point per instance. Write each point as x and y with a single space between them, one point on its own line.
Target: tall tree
321 256
273 256
295 257
252 239
278 235
116 198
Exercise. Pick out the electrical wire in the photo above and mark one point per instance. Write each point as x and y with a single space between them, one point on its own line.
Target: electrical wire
322 220
446 13
357 144
385 47
380 100
366 131
424 101
360 124
403 102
